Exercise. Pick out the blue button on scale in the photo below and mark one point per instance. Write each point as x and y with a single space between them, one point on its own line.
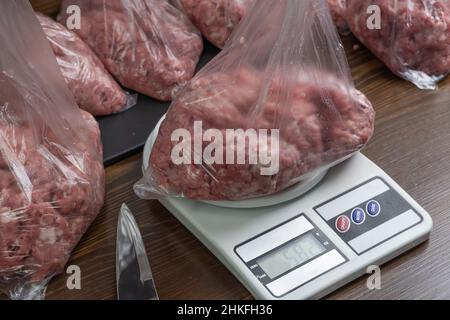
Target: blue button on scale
373 208
358 216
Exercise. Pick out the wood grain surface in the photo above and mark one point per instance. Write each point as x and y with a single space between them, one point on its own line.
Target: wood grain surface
411 143
49 7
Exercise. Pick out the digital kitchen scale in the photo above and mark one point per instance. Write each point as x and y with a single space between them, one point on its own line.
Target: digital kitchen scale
307 246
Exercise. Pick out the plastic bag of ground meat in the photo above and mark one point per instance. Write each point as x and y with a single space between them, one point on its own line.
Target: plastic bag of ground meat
338 10
216 19
92 86
274 108
51 171
150 46
413 38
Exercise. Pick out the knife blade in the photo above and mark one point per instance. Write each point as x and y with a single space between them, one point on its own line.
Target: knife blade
133 273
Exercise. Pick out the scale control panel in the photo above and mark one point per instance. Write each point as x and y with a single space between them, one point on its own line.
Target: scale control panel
368 215
296 252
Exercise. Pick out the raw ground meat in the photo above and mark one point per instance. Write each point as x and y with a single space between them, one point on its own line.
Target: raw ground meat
320 124
414 39
92 86
338 12
216 19
150 46
47 202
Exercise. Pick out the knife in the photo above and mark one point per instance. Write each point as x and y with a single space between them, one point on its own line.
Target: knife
133 273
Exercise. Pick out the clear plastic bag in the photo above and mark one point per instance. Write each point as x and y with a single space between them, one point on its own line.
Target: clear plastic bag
282 79
413 39
93 87
51 170
216 19
150 46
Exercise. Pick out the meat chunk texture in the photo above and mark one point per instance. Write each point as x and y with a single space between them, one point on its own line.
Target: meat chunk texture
150 46
414 39
49 197
338 10
92 86
320 123
216 19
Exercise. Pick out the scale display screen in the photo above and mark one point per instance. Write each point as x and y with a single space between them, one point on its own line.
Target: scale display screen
291 255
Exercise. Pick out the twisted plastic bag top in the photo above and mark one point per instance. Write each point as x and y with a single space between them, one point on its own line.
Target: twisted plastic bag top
412 39
51 172
150 46
93 87
276 106
216 19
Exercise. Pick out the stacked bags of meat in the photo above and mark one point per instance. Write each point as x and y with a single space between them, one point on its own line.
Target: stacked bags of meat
149 46
51 171
414 38
92 86
283 71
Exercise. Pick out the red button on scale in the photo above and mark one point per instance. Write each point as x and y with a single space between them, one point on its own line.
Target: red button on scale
343 224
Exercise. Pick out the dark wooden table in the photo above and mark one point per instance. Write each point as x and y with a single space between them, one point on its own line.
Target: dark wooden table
411 143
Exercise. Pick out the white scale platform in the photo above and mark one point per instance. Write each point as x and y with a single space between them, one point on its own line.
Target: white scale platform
308 243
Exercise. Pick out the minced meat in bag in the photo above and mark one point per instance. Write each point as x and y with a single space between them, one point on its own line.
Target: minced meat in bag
216 19
413 39
338 10
92 86
149 46
276 106
51 171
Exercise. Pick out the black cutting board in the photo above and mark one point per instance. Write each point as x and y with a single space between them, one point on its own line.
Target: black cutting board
125 133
